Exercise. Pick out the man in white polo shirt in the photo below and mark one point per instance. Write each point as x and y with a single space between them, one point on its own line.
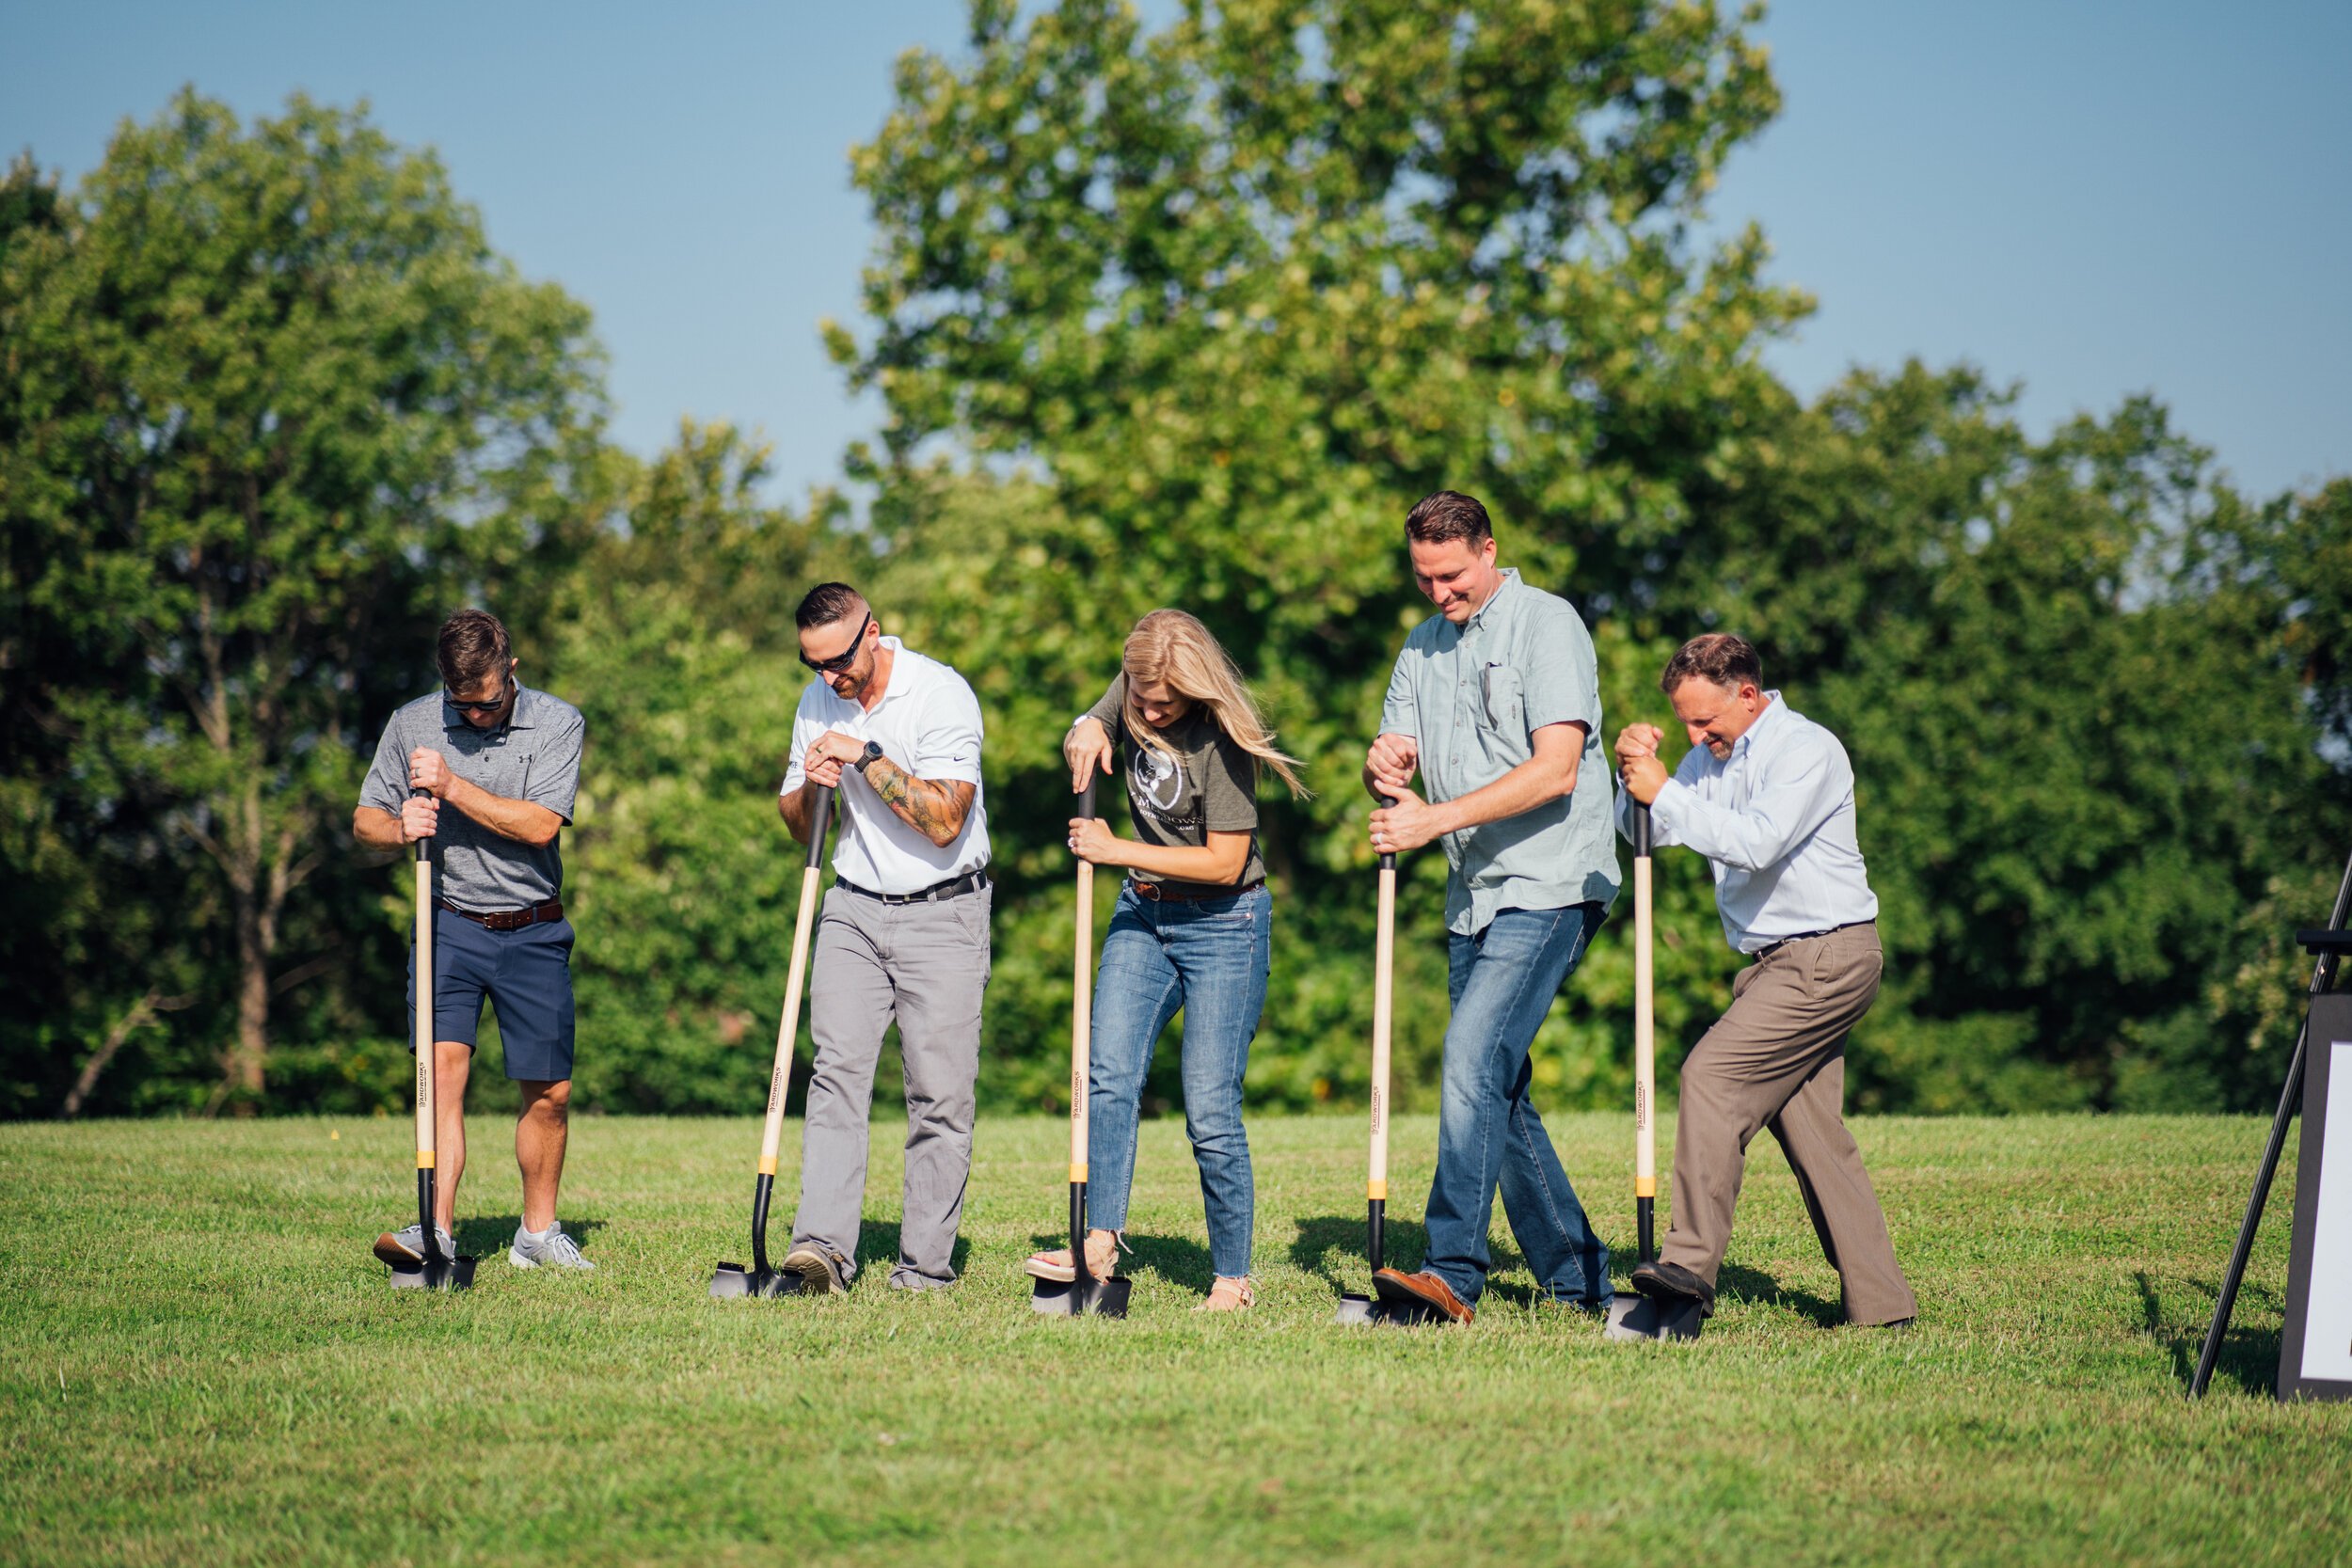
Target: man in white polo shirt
903 937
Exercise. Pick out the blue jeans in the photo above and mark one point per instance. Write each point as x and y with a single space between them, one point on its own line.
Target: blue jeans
1207 958
1502 981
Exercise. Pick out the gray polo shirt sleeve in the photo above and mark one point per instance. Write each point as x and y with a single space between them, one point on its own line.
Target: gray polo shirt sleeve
1400 711
1560 678
554 778
950 745
387 784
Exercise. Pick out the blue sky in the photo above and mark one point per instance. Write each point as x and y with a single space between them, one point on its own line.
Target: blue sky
2095 200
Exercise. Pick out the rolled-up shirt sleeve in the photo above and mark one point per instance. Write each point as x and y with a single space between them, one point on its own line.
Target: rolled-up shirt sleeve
1804 789
950 748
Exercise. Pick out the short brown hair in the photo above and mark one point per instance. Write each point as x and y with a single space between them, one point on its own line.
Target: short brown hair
1446 516
827 603
473 647
1719 657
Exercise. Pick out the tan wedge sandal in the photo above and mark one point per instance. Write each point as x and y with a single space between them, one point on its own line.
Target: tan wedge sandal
1228 1296
1102 1259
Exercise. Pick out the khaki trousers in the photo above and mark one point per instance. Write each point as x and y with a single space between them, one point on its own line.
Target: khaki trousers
1777 1059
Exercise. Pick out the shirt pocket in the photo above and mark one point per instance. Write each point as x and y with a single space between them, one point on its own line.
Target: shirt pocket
1499 709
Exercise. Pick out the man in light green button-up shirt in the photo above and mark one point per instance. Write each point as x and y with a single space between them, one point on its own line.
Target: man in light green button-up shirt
1496 703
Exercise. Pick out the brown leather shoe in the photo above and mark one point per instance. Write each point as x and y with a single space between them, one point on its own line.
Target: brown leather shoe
1424 1291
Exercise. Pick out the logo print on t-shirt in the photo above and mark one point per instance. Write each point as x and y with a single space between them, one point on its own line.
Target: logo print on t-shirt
1156 780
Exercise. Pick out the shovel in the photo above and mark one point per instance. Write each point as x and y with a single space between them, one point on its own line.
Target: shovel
1355 1309
437 1269
761 1278
1083 1293
1632 1316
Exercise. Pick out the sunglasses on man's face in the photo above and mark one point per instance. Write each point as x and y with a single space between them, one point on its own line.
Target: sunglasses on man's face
843 660
454 700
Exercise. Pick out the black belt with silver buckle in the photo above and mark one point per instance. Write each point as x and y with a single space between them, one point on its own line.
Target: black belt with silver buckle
509 920
1763 953
954 887
1158 893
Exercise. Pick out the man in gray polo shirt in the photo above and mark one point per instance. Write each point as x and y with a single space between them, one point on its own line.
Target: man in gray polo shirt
1495 702
505 760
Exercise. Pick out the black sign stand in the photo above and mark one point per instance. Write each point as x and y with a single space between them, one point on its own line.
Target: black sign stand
2326 947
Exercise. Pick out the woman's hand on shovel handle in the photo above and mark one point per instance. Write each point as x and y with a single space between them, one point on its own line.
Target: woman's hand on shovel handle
1087 750
1092 841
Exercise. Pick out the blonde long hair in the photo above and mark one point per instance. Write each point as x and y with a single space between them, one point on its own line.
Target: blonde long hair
1171 647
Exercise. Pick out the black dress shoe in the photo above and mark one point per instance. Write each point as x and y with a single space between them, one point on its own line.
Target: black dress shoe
1665 1281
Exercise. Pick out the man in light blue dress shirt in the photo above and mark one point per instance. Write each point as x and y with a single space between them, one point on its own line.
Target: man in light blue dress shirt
1767 796
1496 703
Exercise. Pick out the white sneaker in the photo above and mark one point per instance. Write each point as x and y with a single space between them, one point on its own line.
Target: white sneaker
550 1247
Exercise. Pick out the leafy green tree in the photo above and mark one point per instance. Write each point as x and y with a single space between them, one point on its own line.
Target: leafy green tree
1234 295
2081 752
675 636
269 402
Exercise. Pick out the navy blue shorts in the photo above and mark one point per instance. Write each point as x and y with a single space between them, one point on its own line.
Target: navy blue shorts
527 975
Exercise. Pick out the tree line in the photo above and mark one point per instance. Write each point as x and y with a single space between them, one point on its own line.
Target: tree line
1189 316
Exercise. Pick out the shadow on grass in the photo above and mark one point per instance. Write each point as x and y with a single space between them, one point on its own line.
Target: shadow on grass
1748 1284
2250 1356
1403 1242
878 1249
487 1234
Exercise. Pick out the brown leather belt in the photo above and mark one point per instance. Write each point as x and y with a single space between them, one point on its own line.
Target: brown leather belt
1157 892
510 920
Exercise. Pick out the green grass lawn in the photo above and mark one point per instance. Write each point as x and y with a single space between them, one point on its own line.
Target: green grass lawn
202 1364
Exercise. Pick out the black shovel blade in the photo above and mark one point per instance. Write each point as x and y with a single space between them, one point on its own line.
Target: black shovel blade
734 1281
1638 1317
1104 1298
449 1274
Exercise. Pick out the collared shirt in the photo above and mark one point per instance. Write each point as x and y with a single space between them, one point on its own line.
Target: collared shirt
1472 697
534 757
1775 820
929 723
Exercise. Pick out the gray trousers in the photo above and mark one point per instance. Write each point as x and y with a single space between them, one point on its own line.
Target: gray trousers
923 966
1777 1059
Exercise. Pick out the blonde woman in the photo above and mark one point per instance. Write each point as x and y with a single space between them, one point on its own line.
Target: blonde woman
1190 933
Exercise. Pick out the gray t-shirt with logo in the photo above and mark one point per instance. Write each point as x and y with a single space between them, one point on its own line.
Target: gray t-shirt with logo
534 757
1203 783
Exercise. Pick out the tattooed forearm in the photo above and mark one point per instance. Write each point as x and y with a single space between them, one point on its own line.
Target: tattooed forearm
934 809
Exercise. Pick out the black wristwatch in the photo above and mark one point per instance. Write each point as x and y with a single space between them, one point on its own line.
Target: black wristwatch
873 750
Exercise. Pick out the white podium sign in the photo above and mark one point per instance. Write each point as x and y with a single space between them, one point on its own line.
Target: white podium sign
2315 1350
